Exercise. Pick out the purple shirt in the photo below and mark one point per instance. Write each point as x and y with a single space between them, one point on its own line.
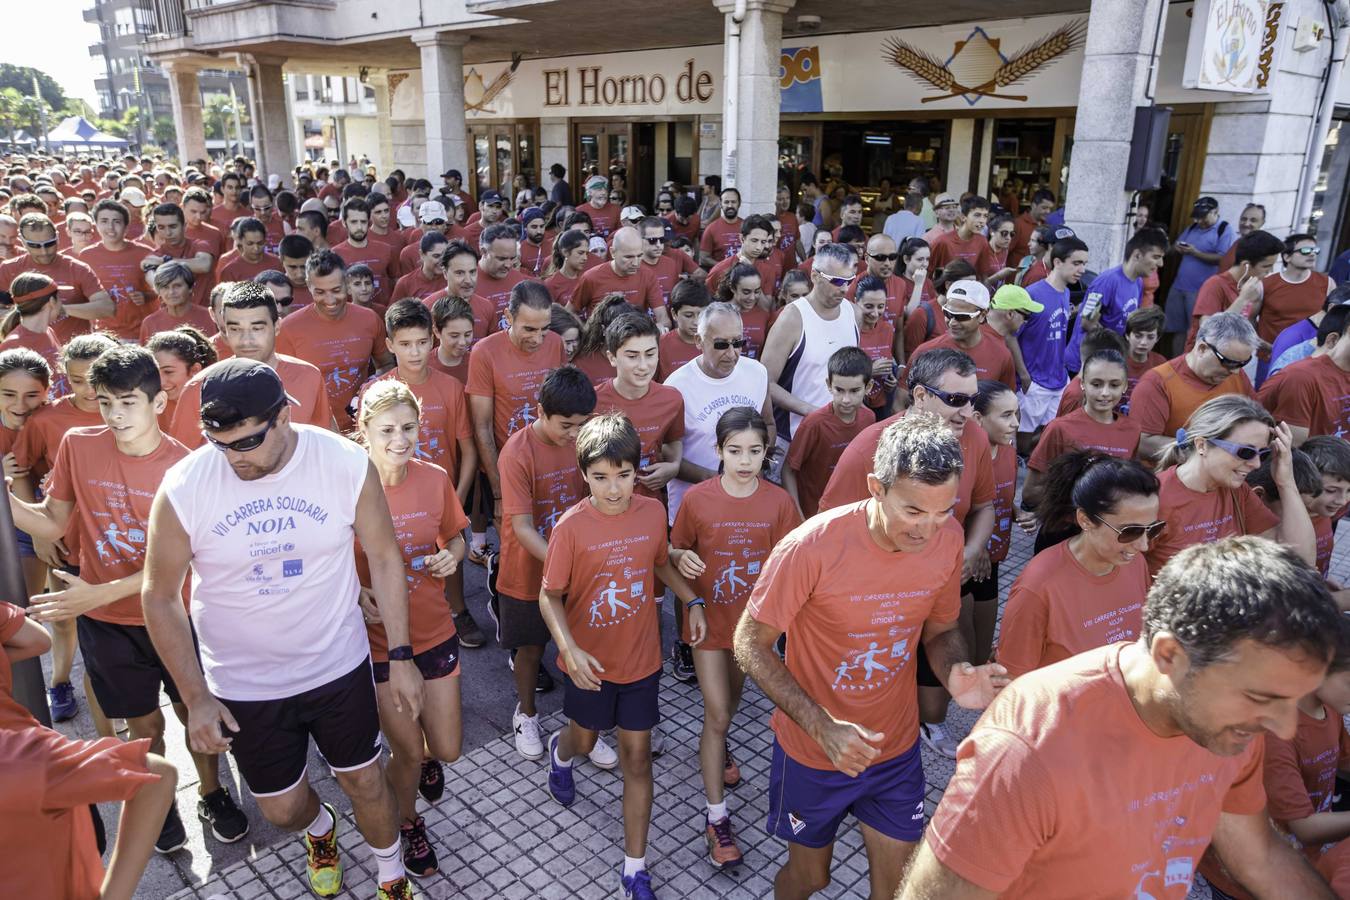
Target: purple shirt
1116 295
1042 337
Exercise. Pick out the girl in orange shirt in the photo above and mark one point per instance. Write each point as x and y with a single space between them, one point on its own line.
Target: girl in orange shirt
180 353
430 523
24 381
996 412
724 532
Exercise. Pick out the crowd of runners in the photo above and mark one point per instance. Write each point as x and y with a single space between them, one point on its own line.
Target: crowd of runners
253 431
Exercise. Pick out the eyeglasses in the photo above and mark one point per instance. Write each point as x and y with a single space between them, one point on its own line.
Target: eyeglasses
724 344
955 401
656 241
884 257
262 210
1244 452
955 316
1308 251
1128 534
39 245
1231 365
834 280
247 443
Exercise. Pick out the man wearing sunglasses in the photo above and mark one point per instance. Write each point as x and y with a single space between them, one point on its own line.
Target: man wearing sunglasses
626 275
1165 397
880 258
1238 289
964 311
262 206
265 519
1292 294
82 295
756 249
1307 395
668 266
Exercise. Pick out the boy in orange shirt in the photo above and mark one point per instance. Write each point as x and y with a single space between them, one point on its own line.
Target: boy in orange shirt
602 556
822 435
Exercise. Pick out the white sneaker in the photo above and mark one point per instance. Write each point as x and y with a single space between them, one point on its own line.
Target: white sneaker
658 741
529 743
938 740
602 755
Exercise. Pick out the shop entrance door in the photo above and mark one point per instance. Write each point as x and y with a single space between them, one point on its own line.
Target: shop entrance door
1183 169
501 151
603 148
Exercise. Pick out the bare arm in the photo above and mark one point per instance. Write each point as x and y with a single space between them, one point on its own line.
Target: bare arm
777 347
468 466
1152 446
29 641
1033 489
167 556
928 879
480 409
979 528
1321 828
99 306
1262 862
1295 530
46 520
790 485
522 524
693 472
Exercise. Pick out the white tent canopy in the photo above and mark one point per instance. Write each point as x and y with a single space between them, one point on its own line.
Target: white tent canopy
77 131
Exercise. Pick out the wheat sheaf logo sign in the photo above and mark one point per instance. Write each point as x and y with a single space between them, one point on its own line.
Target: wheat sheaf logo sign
977 67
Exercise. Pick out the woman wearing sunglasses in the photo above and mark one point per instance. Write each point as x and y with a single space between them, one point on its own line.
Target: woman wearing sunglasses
1204 491
1089 590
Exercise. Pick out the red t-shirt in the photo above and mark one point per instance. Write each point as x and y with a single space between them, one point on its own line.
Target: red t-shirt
672 352
561 288
721 238
201 283
445 418
382 260
1312 393
485 319
991 356
416 284
819 441
210 235
639 289
341 349
1061 785
949 246
119 271
1325 529
898 290
668 270
1005 487
1133 372
1284 303
604 219
878 343
112 493
658 418
689 229
540 480
1196 518
240 269
606 566
1161 404
1300 775
427 517
1215 295
223 216
459 371
923 324
497 293
199 317
303 382
769 269
854 615
45 344
596 366
1078 430
511 377
534 257
1057 609
733 536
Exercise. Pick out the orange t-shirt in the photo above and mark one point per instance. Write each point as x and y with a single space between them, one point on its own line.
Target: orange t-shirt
427 517
1196 518
848 482
112 493
303 382
923 324
1334 866
640 289
511 377
237 268
1215 295
497 294
1005 487
1325 529
416 284
38 442
668 270
1166 396
459 370
1078 430
898 290
854 615
976 251
673 351
46 345
879 343
484 318
769 269
1300 775
341 348
561 288
540 480
119 271
201 284
606 565
991 356
1057 609
222 216
382 260
210 235
199 317
1061 785
658 418
445 418
1284 303
721 238
1312 393
734 537
819 442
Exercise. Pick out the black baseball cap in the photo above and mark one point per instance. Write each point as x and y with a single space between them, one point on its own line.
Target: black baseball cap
452 173
236 389
490 196
1204 206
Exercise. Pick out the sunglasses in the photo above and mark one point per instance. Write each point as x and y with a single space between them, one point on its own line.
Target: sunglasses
723 344
1006 234
1128 534
1231 365
262 210
954 316
39 245
656 241
884 257
955 401
1308 251
615 197
1244 452
247 443
836 281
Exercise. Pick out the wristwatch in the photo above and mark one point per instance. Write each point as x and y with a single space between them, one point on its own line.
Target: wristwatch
400 653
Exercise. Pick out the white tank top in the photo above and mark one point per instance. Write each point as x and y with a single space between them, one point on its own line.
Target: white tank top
274 588
808 364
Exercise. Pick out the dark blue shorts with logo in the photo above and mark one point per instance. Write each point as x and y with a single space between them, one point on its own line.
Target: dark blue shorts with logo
807 806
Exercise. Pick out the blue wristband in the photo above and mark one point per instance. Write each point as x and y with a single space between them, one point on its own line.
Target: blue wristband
697 601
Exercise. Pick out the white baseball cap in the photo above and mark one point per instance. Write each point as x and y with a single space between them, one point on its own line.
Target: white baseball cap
630 213
132 196
970 291
433 211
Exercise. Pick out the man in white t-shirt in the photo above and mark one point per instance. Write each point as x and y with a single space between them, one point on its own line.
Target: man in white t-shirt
264 515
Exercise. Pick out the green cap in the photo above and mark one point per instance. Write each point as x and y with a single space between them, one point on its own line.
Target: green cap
1012 296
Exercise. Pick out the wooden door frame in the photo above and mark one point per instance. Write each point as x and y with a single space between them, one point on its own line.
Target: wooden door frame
490 127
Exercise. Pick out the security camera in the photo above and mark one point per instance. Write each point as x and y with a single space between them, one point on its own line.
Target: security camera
808 23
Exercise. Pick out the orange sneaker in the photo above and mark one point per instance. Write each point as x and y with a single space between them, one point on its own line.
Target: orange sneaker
722 849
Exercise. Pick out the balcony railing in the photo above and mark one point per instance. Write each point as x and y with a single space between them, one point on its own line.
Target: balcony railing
167 16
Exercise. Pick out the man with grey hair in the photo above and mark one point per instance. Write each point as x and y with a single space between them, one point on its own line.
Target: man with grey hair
858 590
1165 397
499 249
799 346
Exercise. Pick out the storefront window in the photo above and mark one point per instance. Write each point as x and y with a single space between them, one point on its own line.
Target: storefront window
1023 160
506 172
482 163
860 154
1329 193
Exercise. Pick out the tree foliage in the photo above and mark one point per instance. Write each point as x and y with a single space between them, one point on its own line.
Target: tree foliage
21 79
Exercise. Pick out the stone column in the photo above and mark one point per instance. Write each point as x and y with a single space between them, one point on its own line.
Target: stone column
271 130
186 99
382 123
443 99
751 166
1115 80
960 151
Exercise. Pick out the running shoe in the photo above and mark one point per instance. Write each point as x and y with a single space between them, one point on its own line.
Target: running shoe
637 886
398 889
418 856
731 773
722 849
682 663
321 859
470 635
228 822
602 755
172 834
479 555
431 784
544 682
560 783
61 699
937 739
658 741
529 740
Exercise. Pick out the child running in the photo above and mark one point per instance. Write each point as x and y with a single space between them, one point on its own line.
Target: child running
724 531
